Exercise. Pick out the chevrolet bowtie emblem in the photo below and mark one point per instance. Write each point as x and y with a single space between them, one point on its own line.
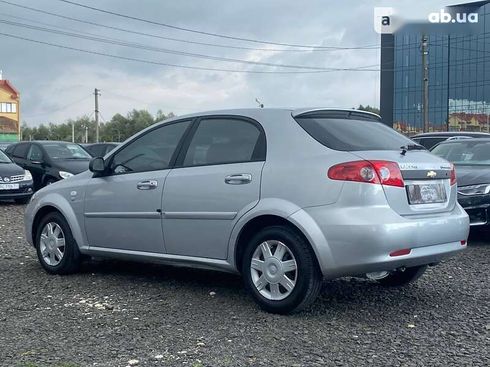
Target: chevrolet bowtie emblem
431 174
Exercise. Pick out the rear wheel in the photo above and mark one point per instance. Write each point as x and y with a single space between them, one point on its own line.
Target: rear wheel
280 270
402 277
56 248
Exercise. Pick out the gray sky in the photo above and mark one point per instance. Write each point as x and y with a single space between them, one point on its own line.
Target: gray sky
57 84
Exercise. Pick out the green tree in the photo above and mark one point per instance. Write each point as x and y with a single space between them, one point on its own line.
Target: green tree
368 108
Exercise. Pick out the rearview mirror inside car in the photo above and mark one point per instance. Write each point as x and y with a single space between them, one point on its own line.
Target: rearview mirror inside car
97 165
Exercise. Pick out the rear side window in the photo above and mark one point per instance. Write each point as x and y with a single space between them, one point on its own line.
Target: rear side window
352 134
225 140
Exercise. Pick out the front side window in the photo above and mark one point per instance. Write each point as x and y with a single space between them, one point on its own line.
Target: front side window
225 140
35 153
150 152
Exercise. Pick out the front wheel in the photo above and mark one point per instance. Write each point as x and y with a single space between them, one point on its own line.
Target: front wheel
280 270
402 277
56 248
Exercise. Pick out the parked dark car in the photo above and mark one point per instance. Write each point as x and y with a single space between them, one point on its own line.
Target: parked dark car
15 182
49 161
472 160
429 140
99 149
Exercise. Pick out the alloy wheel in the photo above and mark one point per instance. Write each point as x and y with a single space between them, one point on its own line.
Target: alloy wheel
52 244
274 270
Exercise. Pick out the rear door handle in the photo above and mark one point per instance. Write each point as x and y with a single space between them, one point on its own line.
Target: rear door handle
147 185
238 179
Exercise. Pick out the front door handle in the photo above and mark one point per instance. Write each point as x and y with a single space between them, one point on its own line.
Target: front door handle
238 179
147 185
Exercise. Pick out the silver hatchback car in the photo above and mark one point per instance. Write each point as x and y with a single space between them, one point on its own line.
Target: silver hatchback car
286 198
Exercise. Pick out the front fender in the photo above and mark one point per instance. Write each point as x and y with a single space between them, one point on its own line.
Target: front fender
62 205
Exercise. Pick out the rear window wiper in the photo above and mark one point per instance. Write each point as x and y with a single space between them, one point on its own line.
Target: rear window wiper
408 147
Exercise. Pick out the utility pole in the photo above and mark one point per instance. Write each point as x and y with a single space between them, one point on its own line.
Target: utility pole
425 67
97 94
73 131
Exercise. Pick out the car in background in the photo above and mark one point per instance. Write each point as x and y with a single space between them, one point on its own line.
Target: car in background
284 197
429 140
472 161
99 149
49 161
4 146
15 182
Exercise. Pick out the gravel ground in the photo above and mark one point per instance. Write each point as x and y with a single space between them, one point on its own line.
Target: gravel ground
119 314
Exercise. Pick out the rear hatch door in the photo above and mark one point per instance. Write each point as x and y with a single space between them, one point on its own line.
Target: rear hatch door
427 182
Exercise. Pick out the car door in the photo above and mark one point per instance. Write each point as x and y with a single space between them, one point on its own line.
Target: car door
123 209
215 181
35 164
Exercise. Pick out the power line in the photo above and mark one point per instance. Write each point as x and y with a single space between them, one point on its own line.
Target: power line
322 49
190 30
362 68
163 50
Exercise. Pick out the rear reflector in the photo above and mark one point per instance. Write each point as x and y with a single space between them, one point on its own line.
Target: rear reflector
463 243
376 172
405 251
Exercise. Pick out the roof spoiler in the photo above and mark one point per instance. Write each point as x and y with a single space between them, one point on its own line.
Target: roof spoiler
336 113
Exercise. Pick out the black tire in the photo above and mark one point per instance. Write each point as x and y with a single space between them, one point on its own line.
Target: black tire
399 278
22 200
308 276
71 259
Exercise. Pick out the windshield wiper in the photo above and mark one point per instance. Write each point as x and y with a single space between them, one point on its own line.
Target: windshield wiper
408 147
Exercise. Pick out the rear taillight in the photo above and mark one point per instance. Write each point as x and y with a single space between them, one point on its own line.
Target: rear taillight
377 172
453 175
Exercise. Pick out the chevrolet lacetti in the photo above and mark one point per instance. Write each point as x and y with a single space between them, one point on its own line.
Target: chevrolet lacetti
286 198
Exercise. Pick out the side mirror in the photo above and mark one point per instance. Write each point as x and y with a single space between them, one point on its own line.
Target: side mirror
97 165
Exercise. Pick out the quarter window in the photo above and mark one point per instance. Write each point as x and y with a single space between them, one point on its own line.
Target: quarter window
150 152
225 140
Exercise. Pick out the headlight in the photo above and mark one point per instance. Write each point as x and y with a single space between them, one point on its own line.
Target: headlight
483 189
27 175
64 174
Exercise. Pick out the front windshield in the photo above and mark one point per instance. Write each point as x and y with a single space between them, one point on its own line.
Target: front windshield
4 158
65 151
467 152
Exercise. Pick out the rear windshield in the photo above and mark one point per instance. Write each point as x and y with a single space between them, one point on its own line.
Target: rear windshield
349 135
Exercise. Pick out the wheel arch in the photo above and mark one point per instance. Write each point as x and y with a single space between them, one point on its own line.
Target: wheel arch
59 205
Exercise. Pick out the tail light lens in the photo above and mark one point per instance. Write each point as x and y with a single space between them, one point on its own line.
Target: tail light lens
453 175
376 172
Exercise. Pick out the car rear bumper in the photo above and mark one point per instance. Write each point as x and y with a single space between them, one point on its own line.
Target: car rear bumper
360 239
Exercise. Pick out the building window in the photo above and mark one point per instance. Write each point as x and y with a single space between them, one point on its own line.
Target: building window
8 107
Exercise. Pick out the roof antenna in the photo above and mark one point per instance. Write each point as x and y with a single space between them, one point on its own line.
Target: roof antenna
261 105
